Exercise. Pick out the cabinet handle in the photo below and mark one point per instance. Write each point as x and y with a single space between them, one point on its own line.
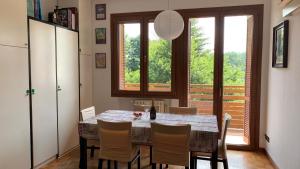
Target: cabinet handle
30 92
27 92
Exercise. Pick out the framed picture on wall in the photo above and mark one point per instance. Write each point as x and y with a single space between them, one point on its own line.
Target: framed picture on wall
280 45
100 34
100 11
100 60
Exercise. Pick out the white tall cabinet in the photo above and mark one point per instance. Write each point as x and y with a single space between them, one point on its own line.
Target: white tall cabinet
55 81
68 83
14 112
14 78
43 82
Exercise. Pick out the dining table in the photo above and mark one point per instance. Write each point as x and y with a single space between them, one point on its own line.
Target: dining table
203 137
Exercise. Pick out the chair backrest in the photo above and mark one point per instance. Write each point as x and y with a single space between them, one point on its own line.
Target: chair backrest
183 110
226 123
115 140
170 144
88 113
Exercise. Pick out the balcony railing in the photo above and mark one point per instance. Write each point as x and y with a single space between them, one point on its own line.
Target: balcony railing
201 96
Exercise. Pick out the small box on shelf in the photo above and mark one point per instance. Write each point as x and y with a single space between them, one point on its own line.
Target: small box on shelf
66 17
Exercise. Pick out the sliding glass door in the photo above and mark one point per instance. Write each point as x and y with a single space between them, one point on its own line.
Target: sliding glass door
237 55
223 66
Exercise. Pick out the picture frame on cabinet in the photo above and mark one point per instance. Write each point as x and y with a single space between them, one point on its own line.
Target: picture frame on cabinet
280 45
100 34
100 10
100 60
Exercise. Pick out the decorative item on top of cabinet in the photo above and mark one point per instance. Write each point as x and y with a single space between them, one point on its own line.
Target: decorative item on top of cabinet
100 60
67 17
280 45
100 10
100 35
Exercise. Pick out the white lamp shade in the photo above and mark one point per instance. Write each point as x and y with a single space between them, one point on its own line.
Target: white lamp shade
169 25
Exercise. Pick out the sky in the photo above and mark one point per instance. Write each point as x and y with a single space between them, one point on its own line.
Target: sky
235 32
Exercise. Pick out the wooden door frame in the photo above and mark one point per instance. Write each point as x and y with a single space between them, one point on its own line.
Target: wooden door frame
219 13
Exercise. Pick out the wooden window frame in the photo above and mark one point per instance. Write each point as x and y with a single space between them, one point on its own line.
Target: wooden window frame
143 18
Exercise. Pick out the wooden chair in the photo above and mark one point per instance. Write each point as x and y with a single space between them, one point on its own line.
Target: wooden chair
170 145
115 143
86 114
142 108
183 110
222 148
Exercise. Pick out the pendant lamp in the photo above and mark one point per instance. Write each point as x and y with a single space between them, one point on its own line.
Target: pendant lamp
169 24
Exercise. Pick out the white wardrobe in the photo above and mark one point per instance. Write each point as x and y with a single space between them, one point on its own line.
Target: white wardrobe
55 90
14 84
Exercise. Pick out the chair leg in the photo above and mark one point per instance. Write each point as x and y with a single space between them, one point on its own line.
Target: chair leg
225 163
139 162
129 165
100 161
92 151
150 155
153 166
192 163
108 164
116 164
195 163
160 166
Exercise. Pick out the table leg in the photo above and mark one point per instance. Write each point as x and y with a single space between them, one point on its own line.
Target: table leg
83 153
214 160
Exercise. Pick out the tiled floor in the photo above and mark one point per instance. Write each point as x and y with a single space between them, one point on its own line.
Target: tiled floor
237 160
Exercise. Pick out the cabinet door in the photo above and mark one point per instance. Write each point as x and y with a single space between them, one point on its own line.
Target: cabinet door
68 82
13 22
14 113
43 80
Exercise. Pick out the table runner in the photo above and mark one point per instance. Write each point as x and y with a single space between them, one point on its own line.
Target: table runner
204 128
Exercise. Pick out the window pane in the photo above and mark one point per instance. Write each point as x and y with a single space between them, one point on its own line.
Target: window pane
159 62
238 33
201 64
129 56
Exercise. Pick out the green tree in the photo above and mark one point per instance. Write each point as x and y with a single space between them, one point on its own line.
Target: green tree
160 61
201 61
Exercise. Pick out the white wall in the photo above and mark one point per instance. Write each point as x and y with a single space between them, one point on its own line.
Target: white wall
102 77
284 98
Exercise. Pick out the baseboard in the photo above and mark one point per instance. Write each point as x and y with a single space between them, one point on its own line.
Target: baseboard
42 164
269 157
68 152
